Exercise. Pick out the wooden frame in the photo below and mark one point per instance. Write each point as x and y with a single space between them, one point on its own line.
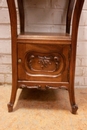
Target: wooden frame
67 45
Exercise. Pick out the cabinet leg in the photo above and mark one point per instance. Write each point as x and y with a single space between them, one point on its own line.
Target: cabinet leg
12 100
10 107
72 100
74 109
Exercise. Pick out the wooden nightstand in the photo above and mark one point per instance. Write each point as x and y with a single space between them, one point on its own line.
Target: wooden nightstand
44 60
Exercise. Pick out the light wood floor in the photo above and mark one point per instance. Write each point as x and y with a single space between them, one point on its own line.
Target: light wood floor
42 110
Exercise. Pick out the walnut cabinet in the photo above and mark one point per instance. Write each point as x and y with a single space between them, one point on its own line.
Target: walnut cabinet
44 60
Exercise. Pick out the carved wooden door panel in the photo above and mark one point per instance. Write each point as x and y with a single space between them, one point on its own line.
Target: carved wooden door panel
43 62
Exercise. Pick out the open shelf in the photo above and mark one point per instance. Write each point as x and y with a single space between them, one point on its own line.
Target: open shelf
57 38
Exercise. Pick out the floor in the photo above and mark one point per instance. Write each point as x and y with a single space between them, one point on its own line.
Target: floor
42 110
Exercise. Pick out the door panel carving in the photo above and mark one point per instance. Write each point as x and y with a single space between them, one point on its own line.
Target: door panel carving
44 64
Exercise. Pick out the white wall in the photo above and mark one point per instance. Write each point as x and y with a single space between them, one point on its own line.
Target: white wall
43 16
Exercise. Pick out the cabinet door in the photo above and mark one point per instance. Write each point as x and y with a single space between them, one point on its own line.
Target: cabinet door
39 62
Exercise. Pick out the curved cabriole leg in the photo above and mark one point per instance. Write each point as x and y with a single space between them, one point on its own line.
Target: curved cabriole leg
13 22
75 25
12 100
72 100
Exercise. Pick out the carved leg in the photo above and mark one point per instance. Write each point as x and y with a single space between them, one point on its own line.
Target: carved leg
72 100
12 100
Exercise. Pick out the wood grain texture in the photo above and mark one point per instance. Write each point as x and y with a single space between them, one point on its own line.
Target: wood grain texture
45 38
51 72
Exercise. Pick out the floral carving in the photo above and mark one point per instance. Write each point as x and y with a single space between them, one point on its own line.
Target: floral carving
44 63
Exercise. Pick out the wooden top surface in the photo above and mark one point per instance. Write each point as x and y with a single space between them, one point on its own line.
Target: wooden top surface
58 37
